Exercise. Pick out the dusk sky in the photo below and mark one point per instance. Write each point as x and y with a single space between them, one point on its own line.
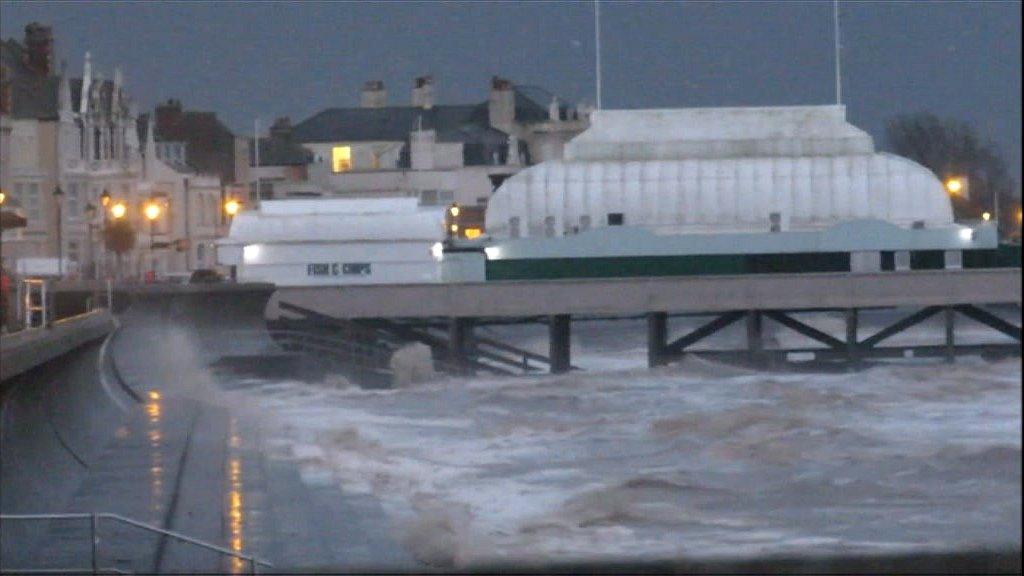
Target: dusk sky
246 59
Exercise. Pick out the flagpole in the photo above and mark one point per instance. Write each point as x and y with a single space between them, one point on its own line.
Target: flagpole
836 49
597 43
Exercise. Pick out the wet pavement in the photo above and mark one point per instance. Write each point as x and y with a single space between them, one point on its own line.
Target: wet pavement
179 457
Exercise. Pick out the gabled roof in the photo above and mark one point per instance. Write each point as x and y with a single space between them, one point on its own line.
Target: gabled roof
453 123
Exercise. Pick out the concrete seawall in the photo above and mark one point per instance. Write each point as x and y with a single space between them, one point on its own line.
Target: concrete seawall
25 350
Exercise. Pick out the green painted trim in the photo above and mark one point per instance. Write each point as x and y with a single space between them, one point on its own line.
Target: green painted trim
1006 256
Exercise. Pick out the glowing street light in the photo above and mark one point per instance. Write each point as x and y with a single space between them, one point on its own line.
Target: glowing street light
105 198
986 216
955 185
232 206
3 197
151 211
118 210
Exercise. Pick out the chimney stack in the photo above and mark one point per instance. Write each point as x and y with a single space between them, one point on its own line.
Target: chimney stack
423 92
39 48
373 95
501 104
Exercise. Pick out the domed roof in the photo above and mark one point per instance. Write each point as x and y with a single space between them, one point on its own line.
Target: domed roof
717 170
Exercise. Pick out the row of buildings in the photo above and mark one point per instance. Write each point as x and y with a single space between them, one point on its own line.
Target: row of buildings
74 145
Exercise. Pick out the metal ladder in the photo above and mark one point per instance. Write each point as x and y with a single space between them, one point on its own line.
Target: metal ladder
94 539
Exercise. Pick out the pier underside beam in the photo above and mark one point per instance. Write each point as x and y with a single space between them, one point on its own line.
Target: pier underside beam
852 347
459 341
899 326
991 320
805 329
755 336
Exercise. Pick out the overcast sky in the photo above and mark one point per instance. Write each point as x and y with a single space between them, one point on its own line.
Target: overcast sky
247 59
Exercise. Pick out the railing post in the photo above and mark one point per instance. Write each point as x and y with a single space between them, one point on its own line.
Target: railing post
94 538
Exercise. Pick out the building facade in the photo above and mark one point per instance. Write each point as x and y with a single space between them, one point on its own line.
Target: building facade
69 144
436 153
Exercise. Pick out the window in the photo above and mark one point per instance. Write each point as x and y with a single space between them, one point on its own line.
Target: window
72 251
30 201
96 144
615 218
201 253
341 159
376 161
549 226
74 205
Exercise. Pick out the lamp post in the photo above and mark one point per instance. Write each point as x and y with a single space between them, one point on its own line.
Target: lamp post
232 206
118 210
104 205
152 211
58 196
90 215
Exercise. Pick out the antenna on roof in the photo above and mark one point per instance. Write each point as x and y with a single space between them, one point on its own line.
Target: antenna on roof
839 73
597 44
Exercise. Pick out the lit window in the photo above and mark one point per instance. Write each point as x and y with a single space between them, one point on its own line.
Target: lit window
472 233
341 158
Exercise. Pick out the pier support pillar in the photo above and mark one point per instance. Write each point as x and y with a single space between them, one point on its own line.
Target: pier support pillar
559 337
950 317
755 336
459 333
657 336
852 347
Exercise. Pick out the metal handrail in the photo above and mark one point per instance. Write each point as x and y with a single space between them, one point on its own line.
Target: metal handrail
95 517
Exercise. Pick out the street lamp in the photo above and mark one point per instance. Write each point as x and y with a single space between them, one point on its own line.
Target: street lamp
119 210
955 185
232 206
90 215
105 198
152 211
58 196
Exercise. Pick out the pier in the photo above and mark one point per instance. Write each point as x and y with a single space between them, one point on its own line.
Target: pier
754 299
